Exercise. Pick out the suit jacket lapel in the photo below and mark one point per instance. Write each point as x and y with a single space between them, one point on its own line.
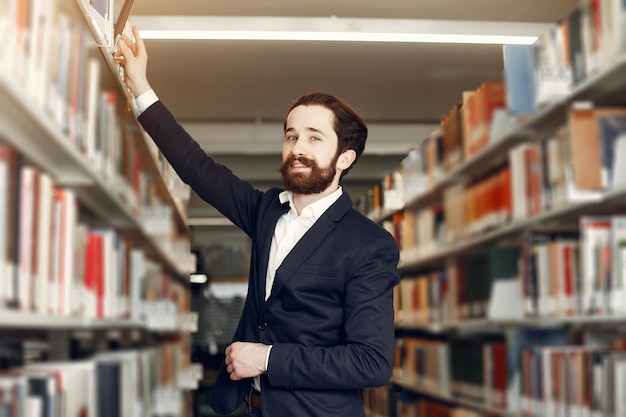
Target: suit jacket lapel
309 242
265 241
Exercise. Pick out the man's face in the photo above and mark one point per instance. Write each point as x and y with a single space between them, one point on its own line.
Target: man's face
309 150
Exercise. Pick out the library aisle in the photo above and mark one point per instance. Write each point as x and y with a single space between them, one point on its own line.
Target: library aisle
510 217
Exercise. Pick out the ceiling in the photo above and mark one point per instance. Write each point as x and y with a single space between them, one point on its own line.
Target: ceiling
232 95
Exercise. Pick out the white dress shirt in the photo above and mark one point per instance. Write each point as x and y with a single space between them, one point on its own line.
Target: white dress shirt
145 100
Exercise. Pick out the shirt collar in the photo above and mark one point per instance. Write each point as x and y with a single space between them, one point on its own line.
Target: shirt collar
315 209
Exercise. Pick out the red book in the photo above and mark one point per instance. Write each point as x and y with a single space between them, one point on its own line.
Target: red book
499 373
99 274
568 279
90 273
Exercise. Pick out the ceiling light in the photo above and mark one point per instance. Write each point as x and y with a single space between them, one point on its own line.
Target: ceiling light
336 29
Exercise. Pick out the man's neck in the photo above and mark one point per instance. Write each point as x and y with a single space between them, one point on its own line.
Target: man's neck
300 201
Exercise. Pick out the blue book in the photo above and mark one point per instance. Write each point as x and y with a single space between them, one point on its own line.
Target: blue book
519 79
611 125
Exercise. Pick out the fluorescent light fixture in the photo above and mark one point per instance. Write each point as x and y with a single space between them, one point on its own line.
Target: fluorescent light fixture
336 29
198 278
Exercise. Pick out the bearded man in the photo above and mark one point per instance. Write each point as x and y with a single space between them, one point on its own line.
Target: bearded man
317 325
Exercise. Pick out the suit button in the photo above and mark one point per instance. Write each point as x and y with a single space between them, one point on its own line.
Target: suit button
262 325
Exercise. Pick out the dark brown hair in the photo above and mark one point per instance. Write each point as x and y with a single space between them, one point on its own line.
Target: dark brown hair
350 128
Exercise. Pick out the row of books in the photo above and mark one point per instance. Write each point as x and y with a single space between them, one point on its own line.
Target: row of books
464 131
388 401
488 370
461 290
588 41
65 79
578 46
565 273
576 273
120 383
54 263
384 197
580 163
574 380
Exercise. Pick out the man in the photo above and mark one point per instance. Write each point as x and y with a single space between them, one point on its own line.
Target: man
317 324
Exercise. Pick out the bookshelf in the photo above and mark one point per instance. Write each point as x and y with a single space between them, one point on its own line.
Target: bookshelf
541 333
95 245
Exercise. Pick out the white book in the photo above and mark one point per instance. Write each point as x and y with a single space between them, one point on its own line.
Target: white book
618 261
121 307
546 301
110 270
43 242
619 163
78 305
595 235
55 256
91 108
137 279
42 13
553 74
66 238
518 181
25 239
59 104
8 30
5 155
616 29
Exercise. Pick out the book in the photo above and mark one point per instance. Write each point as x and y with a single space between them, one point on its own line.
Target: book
611 125
585 147
595 262
547 287
122 11
7 155
618 264
519 79
519 339
552 65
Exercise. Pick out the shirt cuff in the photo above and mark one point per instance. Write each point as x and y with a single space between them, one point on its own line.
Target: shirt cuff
145 100
267 358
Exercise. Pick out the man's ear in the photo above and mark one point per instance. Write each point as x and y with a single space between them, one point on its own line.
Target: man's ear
346 159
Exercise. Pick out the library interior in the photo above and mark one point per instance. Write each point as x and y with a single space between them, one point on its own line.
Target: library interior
492 159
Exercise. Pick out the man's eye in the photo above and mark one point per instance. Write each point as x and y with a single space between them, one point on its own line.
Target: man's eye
290 138
315 138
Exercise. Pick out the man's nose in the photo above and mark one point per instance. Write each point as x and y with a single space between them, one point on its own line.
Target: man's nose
299 147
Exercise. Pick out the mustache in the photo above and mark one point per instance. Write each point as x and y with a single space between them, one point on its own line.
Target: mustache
307 162
302 159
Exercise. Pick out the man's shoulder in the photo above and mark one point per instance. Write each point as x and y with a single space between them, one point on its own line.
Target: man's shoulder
364 224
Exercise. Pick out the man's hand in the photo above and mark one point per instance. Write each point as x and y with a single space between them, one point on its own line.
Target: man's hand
134 58
245 360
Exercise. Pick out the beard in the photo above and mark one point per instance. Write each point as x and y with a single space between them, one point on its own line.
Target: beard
313 182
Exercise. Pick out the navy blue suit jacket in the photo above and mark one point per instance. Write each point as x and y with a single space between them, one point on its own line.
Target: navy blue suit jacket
330 313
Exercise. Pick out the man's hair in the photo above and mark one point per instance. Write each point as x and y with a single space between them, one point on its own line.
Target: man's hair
350 128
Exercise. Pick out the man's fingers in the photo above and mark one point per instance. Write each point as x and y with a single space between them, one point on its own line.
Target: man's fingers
123 48
138 39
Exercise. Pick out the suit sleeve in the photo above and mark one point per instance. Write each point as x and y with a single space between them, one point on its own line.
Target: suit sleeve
366 357
234 198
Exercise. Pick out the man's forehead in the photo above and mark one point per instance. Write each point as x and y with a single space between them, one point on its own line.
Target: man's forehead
316 114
